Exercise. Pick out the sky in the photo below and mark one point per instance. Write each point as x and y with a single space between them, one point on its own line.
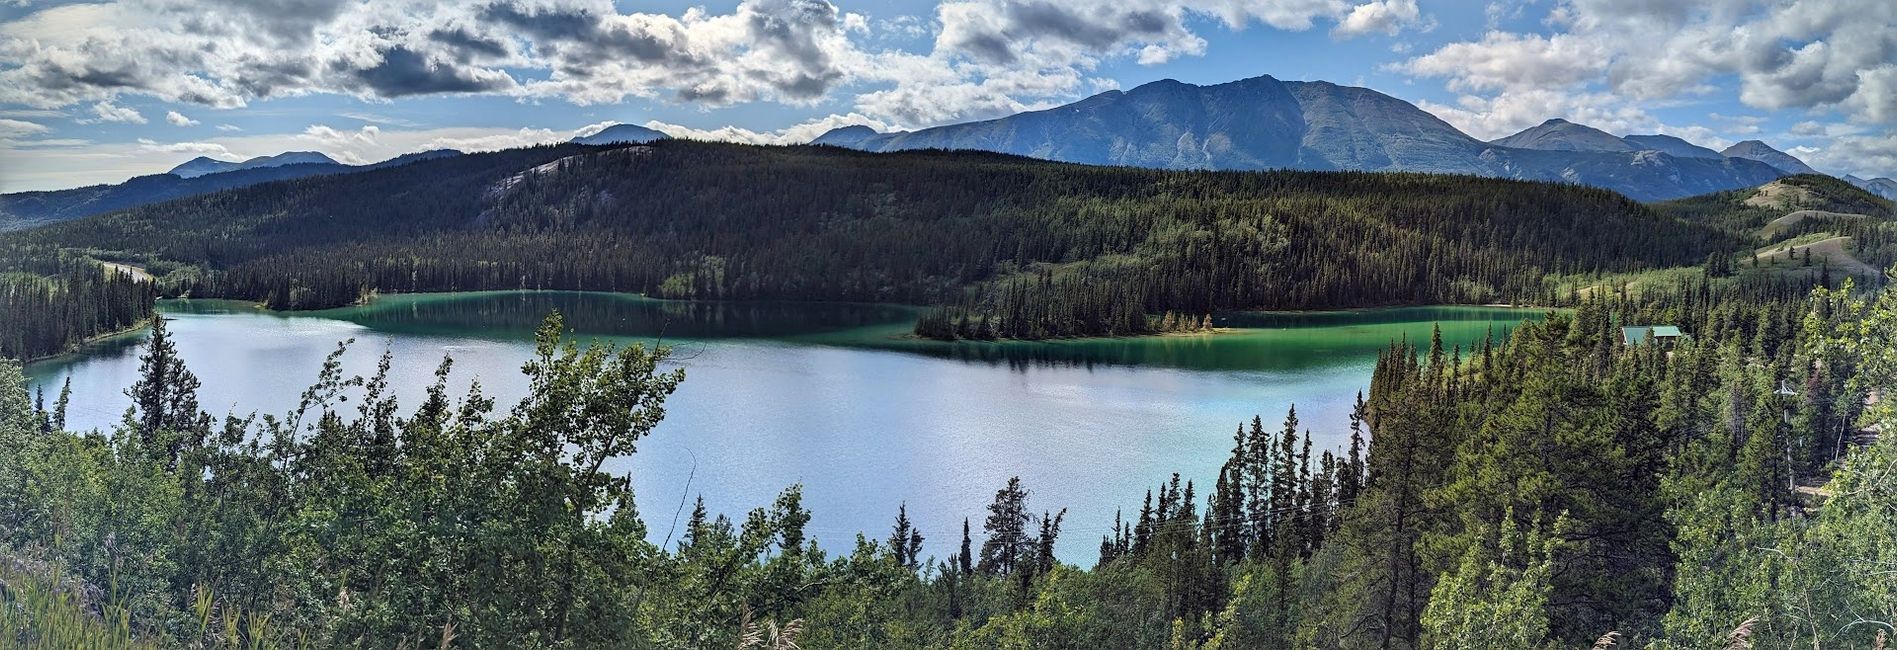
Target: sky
100 92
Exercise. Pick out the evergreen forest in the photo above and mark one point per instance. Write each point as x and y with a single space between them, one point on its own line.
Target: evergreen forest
1554 489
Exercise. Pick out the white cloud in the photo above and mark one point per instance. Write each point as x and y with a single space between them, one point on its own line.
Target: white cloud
47 142
227 128
178 119
797 134
1867 156
1488 118
324 134
1821 54
488 140
10 128
109 112
1382 17
211 148
1512 62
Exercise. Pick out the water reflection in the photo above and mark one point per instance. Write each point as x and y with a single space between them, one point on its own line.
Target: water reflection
1246 341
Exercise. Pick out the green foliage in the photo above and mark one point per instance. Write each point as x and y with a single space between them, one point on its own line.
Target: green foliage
1539 491
1496 597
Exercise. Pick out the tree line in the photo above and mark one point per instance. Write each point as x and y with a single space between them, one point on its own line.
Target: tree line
43 315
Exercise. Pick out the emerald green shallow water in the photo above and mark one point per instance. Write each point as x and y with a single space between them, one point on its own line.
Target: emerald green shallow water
834 396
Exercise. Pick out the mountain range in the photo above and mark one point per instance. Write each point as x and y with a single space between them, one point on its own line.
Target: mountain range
197 176
202 165
1883 187
1265 123
1250 124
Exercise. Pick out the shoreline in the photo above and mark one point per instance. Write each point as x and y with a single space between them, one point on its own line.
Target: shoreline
907 336
80 346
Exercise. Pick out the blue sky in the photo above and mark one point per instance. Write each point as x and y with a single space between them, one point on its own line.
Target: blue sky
99 92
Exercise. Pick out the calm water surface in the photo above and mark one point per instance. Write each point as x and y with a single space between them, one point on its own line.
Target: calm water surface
831 396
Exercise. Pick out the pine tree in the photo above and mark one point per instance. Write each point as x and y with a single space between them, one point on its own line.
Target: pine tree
164 400
905 542
1008 548
60 406
966 556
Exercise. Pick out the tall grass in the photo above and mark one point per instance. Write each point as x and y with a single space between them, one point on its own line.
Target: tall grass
42 609
37 613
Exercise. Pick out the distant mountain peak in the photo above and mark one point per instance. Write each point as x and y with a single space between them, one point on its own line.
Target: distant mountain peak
1883 187
1561 135
846 136
203 165
1672 146
1161 84
1762 152
621 134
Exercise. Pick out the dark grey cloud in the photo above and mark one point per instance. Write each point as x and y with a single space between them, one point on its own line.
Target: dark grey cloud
790 29
580 33
1006 28
1054 20
566 25
404 72
291 21
466 45
261 78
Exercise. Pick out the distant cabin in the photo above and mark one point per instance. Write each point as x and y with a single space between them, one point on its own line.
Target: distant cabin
1665 335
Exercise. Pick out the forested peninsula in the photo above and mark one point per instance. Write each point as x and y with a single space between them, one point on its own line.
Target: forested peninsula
1039 249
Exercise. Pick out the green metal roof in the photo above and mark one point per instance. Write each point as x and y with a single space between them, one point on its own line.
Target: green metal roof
1638 334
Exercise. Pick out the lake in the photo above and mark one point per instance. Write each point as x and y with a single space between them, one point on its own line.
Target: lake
832 396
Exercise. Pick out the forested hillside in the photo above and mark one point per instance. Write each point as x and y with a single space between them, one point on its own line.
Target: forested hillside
41 315
1047 249
1558 489
1808 224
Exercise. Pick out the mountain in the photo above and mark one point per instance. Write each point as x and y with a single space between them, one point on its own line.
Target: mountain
201 165
1883 187
28 209
621 134
1264 123
1756 150
847 136
1562 135
1672 146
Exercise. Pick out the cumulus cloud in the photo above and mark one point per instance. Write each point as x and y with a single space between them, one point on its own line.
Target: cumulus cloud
1384 17
1490 117
178 119
1867 155
986 56
403 72
210 148
1811 54
109 112
797 134
324 134
10 128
